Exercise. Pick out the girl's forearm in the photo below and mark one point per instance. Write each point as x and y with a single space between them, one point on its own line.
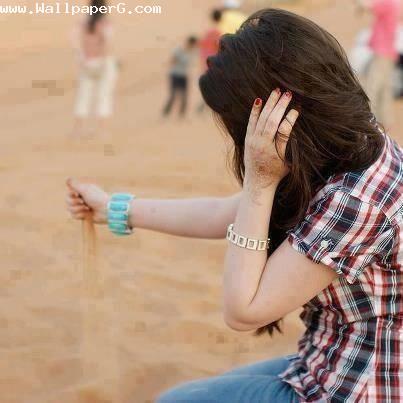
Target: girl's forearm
243 267
196 218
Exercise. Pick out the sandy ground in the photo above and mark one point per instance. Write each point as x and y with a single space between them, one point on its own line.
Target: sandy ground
156 320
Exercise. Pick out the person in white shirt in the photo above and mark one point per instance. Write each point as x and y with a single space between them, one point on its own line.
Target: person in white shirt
98 71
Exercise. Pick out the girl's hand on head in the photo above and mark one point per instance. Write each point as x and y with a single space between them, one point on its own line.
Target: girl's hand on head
264 164
86 199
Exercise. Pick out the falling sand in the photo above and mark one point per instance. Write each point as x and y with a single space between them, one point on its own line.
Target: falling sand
98 352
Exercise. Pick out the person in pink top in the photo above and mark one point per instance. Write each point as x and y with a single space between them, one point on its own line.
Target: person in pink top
383 45
210 41
209 44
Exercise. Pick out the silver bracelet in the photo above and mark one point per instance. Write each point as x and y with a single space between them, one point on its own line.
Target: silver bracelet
244 242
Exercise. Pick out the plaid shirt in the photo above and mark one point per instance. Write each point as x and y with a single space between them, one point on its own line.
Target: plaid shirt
352 350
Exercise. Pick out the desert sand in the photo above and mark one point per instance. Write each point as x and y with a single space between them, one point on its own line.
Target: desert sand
154 319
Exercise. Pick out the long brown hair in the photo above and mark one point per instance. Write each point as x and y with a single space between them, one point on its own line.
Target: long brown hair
335 132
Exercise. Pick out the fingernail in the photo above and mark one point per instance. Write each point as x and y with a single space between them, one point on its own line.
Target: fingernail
277 90
288 94
258 102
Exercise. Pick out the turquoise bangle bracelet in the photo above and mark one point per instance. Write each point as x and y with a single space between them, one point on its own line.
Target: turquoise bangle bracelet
118 213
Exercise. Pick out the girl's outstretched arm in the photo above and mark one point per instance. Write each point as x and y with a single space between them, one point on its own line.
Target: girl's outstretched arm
206 217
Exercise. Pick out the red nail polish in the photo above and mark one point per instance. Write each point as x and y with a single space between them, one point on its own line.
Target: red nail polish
258 102
277 90
288 94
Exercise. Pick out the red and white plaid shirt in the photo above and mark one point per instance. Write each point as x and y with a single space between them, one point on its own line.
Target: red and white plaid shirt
352 350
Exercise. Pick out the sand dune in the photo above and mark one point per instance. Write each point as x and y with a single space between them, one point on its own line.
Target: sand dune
158 321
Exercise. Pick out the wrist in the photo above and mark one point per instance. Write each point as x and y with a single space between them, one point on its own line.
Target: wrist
260 187
134 214
118 213
100 211
104 210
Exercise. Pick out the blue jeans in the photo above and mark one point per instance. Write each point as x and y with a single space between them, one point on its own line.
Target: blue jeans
256 383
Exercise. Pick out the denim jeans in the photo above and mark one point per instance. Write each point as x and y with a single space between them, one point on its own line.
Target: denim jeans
256 383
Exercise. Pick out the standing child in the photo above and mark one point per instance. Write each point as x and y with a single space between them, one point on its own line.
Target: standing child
178 76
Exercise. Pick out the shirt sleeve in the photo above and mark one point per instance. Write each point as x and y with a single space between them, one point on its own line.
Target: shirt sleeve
344 233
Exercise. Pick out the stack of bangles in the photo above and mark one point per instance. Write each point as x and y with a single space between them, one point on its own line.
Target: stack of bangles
118 214
247 243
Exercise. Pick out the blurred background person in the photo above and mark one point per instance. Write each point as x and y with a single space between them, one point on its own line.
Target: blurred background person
399 76
232 17
209 43
179 75
98 71
382 43
360 55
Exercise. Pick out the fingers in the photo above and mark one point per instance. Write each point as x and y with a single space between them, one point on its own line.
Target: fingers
254 115
70 189
75 186
267 110
285 130
80 216
79 212
75 204
288 122
78 209
275 118
72 193
73 197
72 201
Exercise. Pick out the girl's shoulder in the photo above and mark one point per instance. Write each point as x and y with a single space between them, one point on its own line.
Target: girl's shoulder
380 185
355 220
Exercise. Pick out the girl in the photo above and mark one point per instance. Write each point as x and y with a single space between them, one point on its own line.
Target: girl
98 70
321 178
